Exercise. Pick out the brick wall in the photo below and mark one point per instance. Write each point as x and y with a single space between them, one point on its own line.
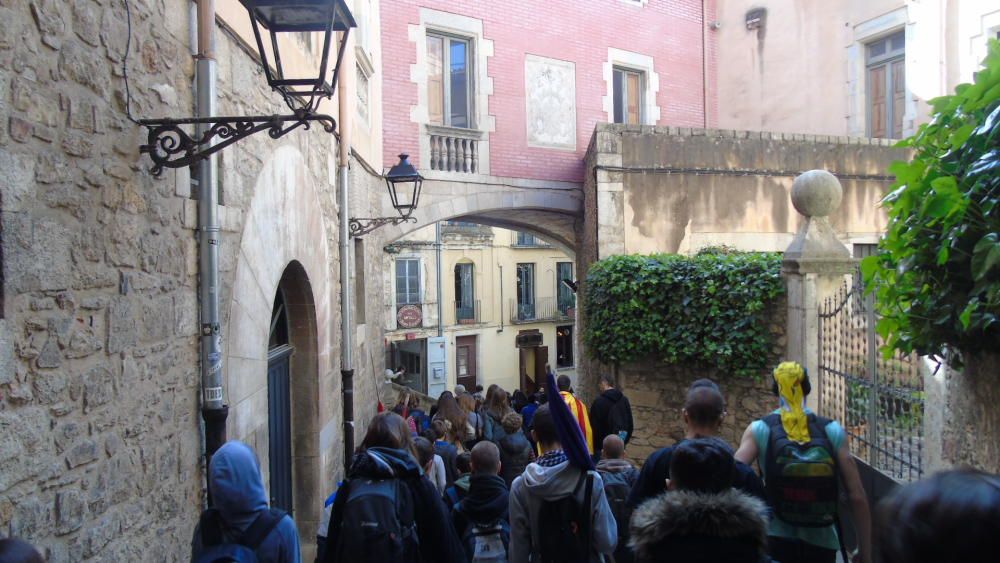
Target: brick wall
571 30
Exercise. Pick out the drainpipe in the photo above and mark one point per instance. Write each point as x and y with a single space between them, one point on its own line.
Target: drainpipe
499 265
213 411
704 63
346 322
437 259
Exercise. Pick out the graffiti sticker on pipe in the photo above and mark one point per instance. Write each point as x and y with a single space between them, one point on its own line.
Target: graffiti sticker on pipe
213 394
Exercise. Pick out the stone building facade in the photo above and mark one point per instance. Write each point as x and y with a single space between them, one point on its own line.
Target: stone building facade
101 445
505 311
825 68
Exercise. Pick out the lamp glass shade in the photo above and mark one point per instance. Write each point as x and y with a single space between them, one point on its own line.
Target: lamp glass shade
404 183
278 17
295 16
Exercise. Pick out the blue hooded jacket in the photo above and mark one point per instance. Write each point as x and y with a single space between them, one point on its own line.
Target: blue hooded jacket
238 493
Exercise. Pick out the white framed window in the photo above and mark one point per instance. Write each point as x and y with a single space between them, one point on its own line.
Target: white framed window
632 85
430 110
629 91
408 281
861 66
449 80
886 86
363 94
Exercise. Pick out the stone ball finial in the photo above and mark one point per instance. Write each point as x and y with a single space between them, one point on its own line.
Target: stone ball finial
816 193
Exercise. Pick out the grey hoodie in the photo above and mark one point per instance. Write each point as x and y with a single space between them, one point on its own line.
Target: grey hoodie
538 484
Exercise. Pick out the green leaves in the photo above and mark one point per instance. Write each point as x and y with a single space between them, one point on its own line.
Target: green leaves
707 310
985 256
937 276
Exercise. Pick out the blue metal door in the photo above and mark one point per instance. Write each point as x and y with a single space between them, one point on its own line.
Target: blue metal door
279 426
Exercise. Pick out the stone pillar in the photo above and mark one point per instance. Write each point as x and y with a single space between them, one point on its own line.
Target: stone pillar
814 267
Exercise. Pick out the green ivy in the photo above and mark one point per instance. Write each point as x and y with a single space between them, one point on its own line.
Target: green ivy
707 310
937 275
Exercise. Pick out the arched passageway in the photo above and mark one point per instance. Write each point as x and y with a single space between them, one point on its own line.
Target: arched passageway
292 391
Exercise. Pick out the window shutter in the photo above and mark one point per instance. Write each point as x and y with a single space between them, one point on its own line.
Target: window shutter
435 80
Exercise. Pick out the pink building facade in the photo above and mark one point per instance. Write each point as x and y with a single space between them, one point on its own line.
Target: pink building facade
514 88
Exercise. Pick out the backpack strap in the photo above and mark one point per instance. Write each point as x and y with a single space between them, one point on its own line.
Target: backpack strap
261 528
210 527
587 498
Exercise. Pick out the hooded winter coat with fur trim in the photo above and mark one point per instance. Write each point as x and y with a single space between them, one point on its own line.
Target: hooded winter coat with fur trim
690 527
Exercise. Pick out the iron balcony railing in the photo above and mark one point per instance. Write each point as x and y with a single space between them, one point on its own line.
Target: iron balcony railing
467 313
544 309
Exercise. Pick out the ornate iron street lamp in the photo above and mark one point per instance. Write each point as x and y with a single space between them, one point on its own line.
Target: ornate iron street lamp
404 183
170 146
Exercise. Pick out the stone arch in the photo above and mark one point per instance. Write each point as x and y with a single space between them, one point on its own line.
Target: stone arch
284 242
297 294
550 210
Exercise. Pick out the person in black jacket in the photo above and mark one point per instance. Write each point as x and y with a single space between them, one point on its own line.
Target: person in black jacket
611 414
387 453
704 412
487 500
702 518
516 451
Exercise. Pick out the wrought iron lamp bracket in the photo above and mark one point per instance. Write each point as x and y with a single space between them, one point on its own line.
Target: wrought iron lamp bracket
169 146
362 225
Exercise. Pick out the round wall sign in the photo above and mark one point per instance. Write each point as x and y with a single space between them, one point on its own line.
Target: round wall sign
409 316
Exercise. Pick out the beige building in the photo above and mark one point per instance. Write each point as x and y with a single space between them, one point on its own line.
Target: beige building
504 311
858 68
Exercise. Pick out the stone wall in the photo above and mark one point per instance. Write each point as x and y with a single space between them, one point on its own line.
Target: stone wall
99 414
962 419
657 393
100 441
678 189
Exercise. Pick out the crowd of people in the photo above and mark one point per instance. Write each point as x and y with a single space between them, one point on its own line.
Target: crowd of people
488 478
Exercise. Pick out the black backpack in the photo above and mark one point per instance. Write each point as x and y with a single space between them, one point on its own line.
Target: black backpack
378 523
215 550
564 525
617 488
801 479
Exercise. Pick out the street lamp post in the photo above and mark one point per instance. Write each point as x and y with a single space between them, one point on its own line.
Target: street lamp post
404 183
169 145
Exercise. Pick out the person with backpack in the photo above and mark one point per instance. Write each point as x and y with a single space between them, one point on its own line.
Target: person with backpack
443 447
481 517
475 425
610 414
431 463
497 406
387 511
804 460
529 409
420 419
456 492
240 526
515 449
704 412
701 518
559 512
578 410
619 475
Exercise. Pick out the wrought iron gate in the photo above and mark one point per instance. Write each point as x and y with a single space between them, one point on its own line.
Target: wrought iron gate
879 401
